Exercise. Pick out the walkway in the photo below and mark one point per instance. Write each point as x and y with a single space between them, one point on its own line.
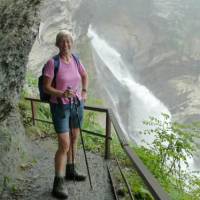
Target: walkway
39 178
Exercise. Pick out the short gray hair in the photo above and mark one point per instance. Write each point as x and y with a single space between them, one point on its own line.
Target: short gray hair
62 34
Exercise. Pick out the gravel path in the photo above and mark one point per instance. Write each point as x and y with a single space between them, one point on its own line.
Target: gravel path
38 179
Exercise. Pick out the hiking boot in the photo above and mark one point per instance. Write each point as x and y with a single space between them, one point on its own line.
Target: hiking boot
59 189
72 174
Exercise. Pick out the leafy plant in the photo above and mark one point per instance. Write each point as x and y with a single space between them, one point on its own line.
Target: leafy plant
167 156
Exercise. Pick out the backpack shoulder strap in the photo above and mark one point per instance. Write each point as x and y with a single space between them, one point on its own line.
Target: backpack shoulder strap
56 59
56 66
76 60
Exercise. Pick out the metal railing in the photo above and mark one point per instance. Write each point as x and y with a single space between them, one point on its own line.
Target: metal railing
154 187
107 135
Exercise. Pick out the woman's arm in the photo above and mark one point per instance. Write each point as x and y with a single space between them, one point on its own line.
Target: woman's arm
51 90
84 79
54 92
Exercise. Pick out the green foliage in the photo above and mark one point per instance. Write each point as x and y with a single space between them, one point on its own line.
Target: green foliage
143 194
6 181
194 186
24 109
31 80
10 185
173 143
94 144
136 184
117 152
42 112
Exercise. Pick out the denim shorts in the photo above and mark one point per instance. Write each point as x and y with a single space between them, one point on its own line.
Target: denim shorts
65 116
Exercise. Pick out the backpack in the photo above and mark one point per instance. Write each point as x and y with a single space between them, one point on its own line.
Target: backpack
44 96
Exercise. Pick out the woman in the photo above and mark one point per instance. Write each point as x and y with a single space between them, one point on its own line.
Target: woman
71 81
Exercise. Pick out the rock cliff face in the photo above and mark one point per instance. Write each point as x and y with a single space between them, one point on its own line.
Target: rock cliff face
19 26
55 15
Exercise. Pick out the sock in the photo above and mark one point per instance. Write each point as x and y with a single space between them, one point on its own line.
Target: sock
70 164
59 174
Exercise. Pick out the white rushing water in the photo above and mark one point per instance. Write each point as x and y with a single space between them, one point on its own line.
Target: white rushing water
141 102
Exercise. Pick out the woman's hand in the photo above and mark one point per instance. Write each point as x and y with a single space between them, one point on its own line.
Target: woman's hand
68 93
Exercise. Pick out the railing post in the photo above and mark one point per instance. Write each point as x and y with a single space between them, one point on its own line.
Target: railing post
33 111
108 136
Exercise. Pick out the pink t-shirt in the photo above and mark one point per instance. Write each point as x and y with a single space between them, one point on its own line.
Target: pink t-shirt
68 75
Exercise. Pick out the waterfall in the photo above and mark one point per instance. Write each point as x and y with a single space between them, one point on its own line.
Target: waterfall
132 102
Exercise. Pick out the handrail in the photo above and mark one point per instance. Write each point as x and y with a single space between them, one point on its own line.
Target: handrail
125 181
107 136
112 183
154 187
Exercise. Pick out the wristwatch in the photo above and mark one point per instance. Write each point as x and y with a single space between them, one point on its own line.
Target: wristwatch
84 90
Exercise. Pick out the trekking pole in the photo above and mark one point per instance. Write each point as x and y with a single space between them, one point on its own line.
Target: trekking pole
71 136
76 102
